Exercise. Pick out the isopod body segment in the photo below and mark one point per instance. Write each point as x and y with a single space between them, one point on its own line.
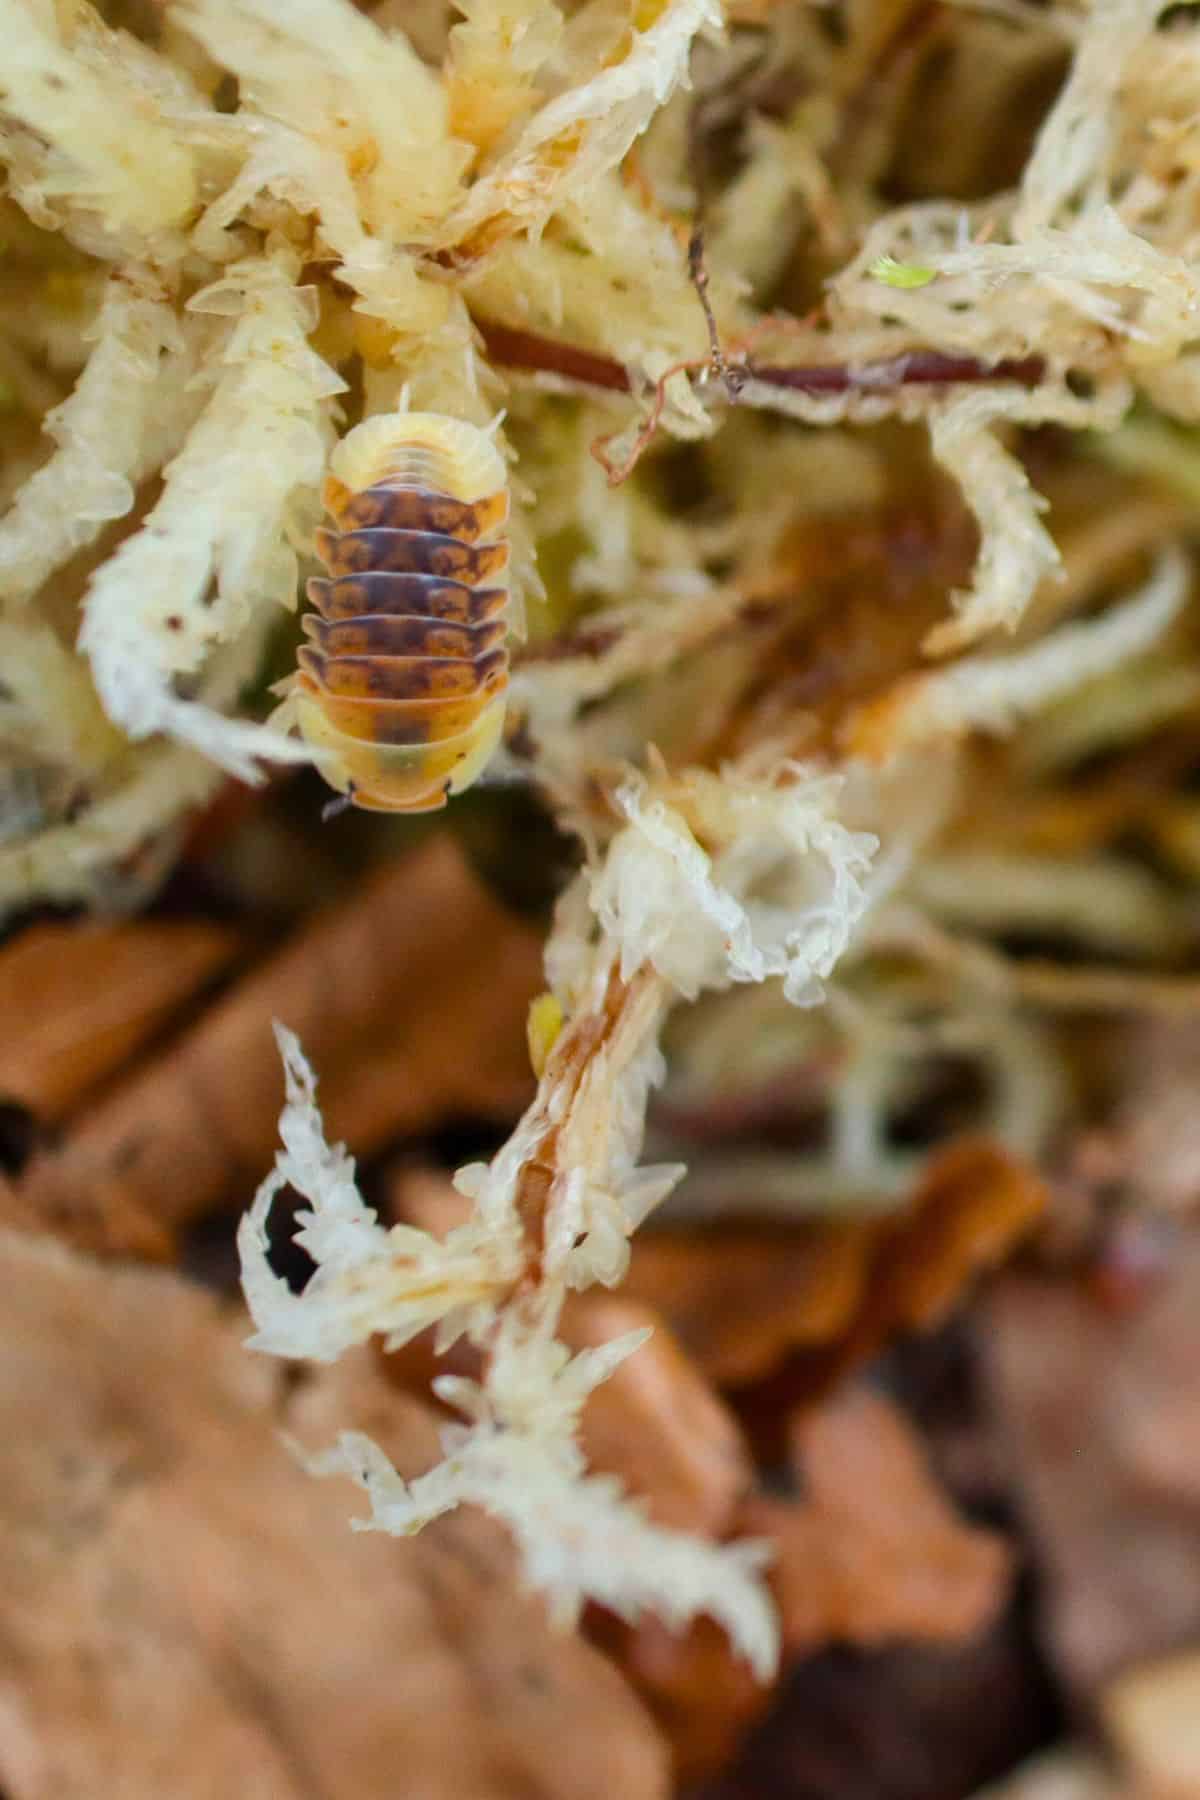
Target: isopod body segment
402 682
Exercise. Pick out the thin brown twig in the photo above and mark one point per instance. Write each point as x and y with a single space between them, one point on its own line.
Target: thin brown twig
732 377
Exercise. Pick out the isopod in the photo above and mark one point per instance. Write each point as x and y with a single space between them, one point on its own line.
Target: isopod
401 686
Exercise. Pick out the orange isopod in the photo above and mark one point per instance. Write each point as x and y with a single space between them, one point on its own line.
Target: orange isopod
401 686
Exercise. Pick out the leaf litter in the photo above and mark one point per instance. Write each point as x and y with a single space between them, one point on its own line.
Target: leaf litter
845 373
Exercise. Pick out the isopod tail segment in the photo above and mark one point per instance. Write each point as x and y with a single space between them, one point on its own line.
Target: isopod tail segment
402 682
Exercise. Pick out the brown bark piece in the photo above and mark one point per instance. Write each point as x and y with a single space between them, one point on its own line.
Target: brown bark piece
879 582
184 1611
77 1001
410 1001
1099 1414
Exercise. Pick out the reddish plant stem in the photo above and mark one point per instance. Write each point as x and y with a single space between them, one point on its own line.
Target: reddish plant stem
916 368
525 350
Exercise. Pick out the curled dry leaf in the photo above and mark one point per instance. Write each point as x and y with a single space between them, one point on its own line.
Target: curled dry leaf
873 1555
78 1001
740 1297
189 1614
1100 1418
386 988
874 1552
974 1203
815 1300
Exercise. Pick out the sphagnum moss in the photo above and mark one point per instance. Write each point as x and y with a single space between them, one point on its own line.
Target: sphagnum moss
282 217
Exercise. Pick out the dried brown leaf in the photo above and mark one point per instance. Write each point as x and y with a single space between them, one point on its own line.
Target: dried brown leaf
786 1315
739 1298
1104 1436
77 1001
183 1611
873 1555
974 1203
874 1552
384 990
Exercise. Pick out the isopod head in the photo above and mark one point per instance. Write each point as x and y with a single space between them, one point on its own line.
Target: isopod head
419 450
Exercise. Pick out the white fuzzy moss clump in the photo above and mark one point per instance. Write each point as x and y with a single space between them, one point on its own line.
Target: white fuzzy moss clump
720 879
657 921
215 548
518 1457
